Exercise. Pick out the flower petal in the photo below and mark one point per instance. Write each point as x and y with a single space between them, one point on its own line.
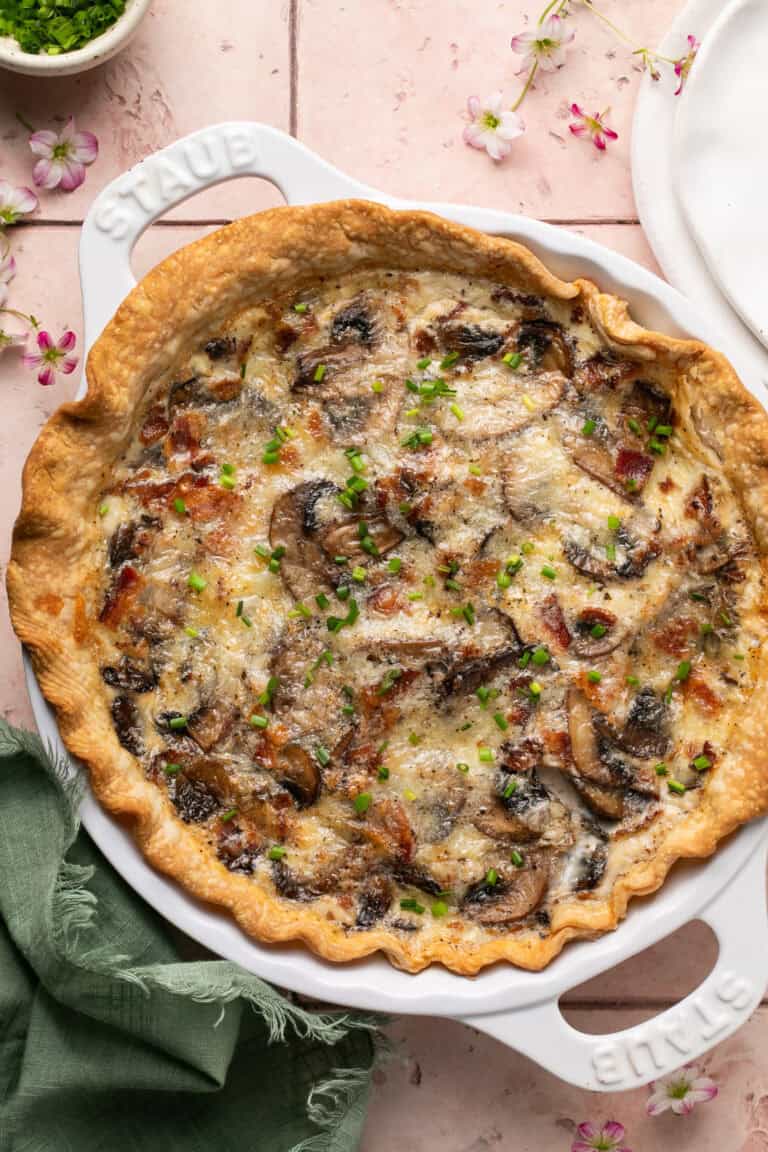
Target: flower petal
48 173
578 129
44 341
704 1093
577 111
523 41
68 364
43 142
73 175
657 1103
7 269
85 147
612 1130
683 1106
474 136
588 1130
67 341
582 1146
46 376
31 360
474 106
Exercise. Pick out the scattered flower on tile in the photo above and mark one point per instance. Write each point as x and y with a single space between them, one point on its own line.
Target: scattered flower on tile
64 156
609 1138
7 269
492 126
15 202
593 126
50 358
545 46
685 63
680 1092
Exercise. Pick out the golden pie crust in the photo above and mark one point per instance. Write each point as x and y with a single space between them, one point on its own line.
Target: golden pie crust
176 306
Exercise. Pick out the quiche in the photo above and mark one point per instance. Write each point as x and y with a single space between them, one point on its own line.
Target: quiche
399 595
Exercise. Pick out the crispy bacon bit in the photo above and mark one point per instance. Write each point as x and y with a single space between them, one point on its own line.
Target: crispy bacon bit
185 433
633 468
474 485
315 424
388 829
667 484
228 388
155 426
675 635
552 617
704 697
121 594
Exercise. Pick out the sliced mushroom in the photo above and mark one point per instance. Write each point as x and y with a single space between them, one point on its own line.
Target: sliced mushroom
590 865
354 324
471 341
414 876
465 675
305 567
193 800
239 849
210 724
500 404
299 773
546 345
344 538
646 730
597 462
198 392
646 404
516 893
596 634
127 723
374 901
632 557
130 676
221 347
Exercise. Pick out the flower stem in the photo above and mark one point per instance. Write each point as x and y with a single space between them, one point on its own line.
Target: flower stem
526 87
552 4
31 320
24 122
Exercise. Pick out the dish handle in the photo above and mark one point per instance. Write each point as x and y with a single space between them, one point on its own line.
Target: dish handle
127 206
677 1036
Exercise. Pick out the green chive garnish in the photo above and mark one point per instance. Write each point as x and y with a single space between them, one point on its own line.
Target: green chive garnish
614 523
549 572
463 767
228 815
362 802
171 769
597 631
676 786
588 427
322 755
196 582
177 723
322 600
103 509
277 852
319 373
486 755
661 769
594 677
410 905
439 908
180 506
491 877
683 670
449 360
301 308
540 656
510 789
383 772
512 359
191 632
259 721
701 763
501 721
516 858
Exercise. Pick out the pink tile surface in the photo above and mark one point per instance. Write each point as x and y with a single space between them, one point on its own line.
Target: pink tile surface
392 112
379 88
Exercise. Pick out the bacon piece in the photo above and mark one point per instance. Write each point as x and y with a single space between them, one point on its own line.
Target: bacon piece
185 434
703 695
155 426
552 617
121 594
674 636
634 466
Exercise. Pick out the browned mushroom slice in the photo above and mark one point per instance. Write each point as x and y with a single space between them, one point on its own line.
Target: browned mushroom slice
632 555
344 538
130 676
596 634
374 901
516 893
201 392
583 739
209 724
471 341
127 723
239 849
466 674
354 324
597 462
388 830
546 346
646 404
316 370
304 566
342 874
646 731
194 801
299 773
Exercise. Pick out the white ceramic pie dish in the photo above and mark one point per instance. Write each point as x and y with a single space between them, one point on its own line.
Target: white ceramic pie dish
520 1008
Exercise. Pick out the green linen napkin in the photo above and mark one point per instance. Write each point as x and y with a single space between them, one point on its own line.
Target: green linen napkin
111 1042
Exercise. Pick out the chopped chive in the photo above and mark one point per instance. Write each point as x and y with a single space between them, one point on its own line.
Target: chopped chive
588 427
594 676
242 371
633 681
449 360
501 721
510 789
452 585
540 656
383 772
503 578
631 484
597 631
343 592
663 430
171 769
259 721
415 596
683 670
661 769
658 447
322 755
610 552
457 412
322 600
410 905
524 660
725 619
239 609
701 763
104 508
404 508
362 802
300 610
409 794
439 908
319 373
549 572
652 423
491 877
512 359
180 506
196 582
377 386
463 767
178 723
270 456
274 566
676 786
528 401
228 469
358 574
301 308
341 559
516 858
527 547
614 523
246 620
475 469
485 755
263 551
423 363
634 426
535 689
265 699
191 632
388 680
468 612
483 694
277 852
394 565
228 815
414 739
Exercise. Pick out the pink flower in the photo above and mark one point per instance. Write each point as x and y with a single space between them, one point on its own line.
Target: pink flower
685 63
52 358
680 1092
544 46
593 126
609 1138
492 126
63 156
7 273
15 202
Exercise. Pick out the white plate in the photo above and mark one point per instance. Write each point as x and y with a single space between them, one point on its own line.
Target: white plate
722 158
520 1008
654 175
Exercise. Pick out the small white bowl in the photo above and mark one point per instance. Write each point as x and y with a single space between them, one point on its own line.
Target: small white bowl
81 59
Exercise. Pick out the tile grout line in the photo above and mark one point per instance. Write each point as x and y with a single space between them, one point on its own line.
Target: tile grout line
293 66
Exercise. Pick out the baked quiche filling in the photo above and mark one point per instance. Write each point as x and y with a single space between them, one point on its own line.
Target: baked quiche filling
420 604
